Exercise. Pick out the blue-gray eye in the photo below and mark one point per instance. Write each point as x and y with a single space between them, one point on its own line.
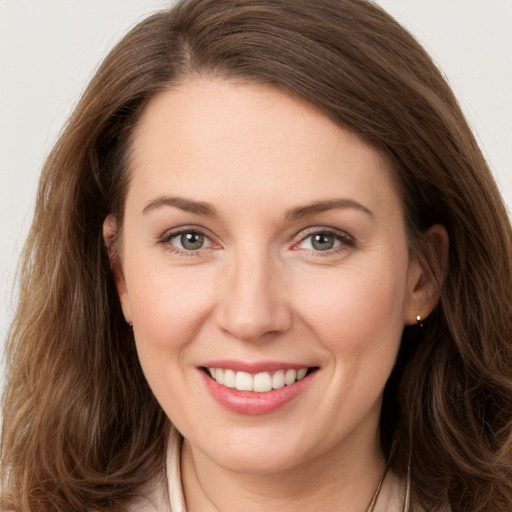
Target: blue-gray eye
190 241
321 242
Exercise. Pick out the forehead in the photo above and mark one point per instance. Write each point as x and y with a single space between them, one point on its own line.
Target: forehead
223 141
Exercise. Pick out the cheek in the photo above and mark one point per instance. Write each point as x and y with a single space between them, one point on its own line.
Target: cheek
169 308
168 305
356 308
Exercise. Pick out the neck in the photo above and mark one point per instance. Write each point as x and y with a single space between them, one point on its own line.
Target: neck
343 479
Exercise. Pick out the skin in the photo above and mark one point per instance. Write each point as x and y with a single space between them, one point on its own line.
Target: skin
259 290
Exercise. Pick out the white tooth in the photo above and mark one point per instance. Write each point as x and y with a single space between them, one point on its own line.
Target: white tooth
290 377
243 381
262 382
278 379
219 375
212 372
300 373
229 378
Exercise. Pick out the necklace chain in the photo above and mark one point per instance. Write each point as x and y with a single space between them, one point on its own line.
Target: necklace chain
373 503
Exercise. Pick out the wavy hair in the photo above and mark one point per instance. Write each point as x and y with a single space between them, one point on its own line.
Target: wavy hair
81 428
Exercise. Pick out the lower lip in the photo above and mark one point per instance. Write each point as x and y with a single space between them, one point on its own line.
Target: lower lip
252 403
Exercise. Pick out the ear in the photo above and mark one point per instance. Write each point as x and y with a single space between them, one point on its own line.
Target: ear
111 241
426 273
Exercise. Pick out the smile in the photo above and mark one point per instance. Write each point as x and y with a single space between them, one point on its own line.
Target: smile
260 382
255 389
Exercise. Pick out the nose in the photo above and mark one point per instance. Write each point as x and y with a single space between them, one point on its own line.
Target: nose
253 301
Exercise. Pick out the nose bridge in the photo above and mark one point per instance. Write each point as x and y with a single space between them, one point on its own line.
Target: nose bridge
252 304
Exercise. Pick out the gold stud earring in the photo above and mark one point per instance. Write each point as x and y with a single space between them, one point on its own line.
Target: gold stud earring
419 320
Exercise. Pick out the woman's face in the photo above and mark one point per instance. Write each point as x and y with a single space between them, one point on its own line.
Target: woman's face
262 241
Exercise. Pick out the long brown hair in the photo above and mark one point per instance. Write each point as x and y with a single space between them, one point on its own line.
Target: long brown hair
82 430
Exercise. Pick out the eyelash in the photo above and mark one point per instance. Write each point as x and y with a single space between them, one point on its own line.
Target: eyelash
346 241
167 237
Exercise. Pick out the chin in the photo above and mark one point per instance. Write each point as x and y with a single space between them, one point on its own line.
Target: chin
263 462
247 454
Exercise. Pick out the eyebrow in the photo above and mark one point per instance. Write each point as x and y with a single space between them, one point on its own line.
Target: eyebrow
188 205
208 210
326 205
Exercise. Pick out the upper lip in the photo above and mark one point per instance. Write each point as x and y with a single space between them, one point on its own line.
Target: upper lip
254 366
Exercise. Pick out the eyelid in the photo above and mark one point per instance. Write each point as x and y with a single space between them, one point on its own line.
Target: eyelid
168 235
345 238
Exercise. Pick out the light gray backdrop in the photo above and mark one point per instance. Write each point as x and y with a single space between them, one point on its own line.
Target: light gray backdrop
49 49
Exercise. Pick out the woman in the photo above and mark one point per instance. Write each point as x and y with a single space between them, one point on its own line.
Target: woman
269 269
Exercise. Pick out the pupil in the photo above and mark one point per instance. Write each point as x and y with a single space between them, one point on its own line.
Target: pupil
192 241
323 242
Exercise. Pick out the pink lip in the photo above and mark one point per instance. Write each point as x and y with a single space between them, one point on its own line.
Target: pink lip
252 403
254 367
